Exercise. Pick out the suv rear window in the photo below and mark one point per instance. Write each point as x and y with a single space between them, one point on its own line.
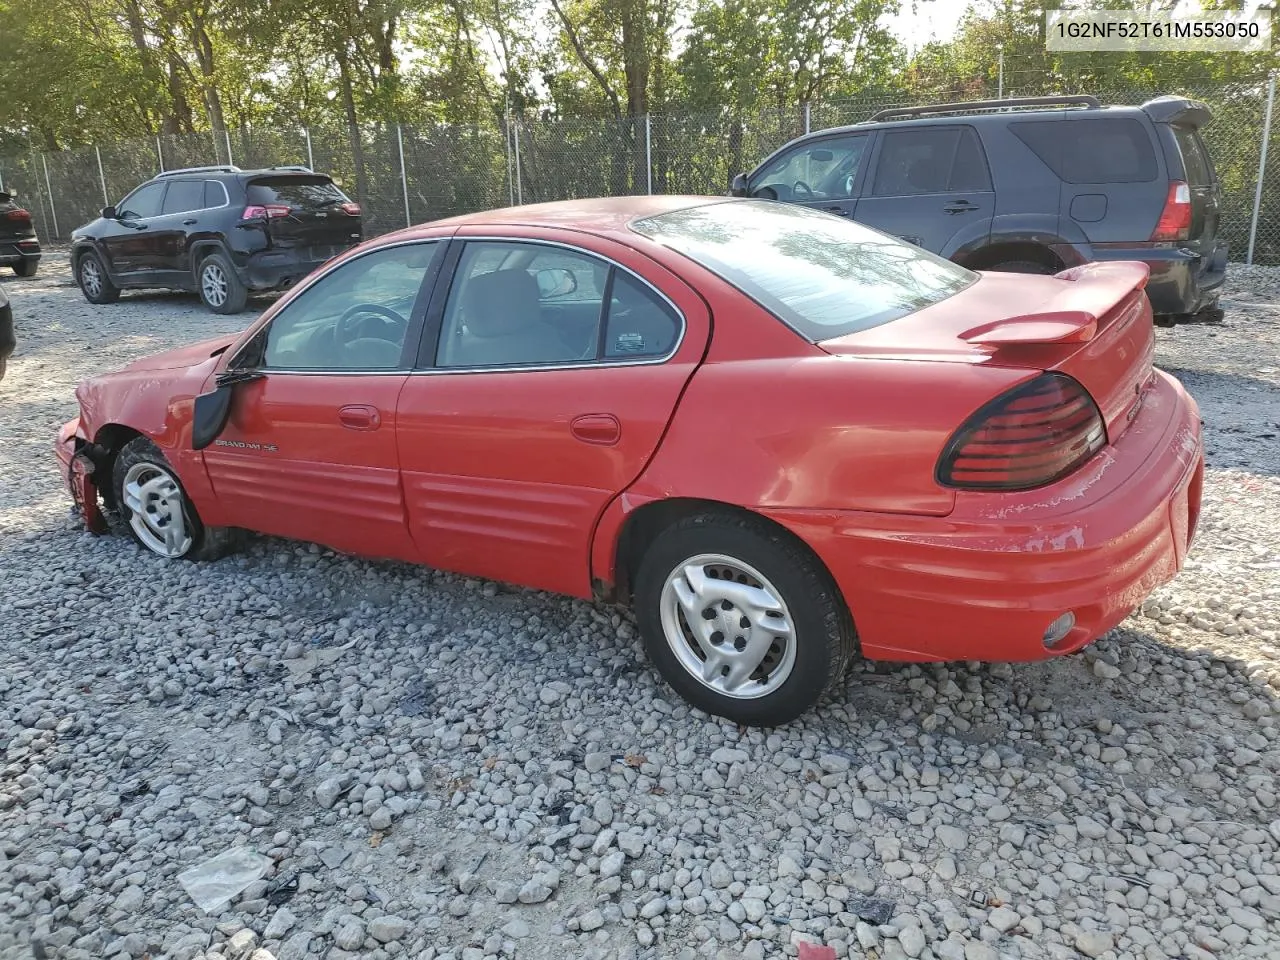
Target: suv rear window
1099 150
301 192
1195 159
820 274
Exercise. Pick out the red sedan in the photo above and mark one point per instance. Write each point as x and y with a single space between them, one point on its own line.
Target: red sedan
783 437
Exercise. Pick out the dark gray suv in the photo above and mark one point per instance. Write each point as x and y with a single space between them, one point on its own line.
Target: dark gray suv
1030 185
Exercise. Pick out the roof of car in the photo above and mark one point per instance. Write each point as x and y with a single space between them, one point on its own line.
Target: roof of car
979 117
596 214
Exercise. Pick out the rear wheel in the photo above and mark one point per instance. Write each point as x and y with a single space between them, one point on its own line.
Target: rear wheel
220 287
152 507
94 281
741 620
26 268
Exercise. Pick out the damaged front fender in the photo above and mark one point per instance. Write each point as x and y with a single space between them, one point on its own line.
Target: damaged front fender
82 463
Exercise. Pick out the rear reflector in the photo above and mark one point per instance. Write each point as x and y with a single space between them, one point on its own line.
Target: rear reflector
270 211
1032 435
1175 219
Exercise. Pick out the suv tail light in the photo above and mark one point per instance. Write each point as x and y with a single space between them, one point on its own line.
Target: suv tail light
271 211
18 215
351 208
1175 218
1032 435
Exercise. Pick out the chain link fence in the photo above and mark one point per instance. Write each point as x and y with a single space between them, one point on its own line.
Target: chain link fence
403 174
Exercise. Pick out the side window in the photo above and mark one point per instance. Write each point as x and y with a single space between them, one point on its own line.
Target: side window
353 318
215 195
514 304
1098 150
184 196
914 162
640 323
142 203
969 172
821 170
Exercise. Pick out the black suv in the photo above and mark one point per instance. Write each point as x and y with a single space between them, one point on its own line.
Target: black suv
218 231
19 247
1030 185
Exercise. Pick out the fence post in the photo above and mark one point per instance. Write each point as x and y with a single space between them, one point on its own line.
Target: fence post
311 160
1262 165
404 177
160 154
806 116
648 150
53 214
519 185
106 202
511 180
226 135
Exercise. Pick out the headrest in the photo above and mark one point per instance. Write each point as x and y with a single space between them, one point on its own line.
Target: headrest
499 303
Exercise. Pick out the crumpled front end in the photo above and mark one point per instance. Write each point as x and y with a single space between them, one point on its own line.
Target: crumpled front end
79 462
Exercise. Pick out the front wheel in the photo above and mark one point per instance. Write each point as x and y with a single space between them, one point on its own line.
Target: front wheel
741 620
94 281
151 504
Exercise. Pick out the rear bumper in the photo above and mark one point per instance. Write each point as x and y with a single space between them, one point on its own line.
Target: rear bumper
19 251
985 582
280 269
1182 282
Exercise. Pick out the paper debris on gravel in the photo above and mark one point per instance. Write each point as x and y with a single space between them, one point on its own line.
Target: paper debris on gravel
216 882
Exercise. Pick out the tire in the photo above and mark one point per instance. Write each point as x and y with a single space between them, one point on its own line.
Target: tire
220 287
684 568
95 283
1023 266
26 268
141 465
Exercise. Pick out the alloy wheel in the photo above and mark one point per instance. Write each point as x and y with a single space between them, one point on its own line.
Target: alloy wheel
156 513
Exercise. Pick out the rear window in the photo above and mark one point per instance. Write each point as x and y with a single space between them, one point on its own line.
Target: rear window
1195 159
822 275
1100 150
306 193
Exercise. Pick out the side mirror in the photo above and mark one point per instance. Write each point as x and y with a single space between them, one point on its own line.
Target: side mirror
555 282
211 410
108 213
739 187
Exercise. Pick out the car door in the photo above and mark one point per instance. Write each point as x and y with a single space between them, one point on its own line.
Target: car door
931 187
169 231
309 448
127 241
824 173
525 419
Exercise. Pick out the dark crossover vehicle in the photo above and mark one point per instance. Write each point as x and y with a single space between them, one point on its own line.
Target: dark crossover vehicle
7 339
219 231
1030 185
19 247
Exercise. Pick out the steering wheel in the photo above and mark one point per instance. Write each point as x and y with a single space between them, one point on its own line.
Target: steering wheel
346 329
808 190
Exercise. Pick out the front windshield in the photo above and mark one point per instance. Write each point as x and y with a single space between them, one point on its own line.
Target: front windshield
822 275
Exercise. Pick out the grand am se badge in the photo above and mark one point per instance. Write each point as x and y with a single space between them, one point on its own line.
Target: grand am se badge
246 445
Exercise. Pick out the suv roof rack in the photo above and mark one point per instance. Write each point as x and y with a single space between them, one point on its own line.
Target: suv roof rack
939 109
220 168
298 167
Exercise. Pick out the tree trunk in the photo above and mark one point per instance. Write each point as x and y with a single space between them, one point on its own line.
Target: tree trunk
203 47
353 121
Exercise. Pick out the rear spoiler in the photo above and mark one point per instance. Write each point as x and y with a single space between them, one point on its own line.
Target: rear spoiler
1180 110
1071 316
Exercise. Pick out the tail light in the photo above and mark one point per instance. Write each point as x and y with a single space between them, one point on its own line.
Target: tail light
18 215
270 211
1175 218
1032 435
351 208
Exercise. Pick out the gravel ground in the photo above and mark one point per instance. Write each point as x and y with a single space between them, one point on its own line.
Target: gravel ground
449 768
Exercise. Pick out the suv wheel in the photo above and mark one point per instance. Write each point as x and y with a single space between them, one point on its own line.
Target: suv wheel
95 283
26 268
220 287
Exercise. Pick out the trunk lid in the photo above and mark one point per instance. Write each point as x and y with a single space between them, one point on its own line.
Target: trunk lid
1091 322
319 222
